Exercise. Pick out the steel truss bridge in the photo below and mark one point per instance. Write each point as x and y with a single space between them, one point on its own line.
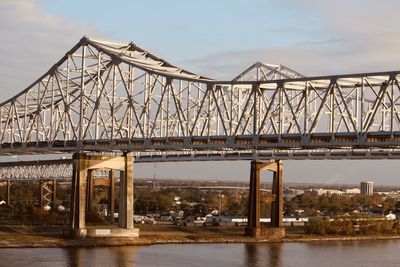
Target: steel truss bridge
110 97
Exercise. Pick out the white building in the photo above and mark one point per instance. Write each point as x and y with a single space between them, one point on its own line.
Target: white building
328 192
352 191
290 193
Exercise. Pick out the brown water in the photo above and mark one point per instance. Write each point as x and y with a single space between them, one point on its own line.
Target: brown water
338 254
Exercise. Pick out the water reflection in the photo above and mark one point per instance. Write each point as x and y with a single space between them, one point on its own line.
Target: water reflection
75 257
263 254
363 253
125 256
115 256
251 254
275 251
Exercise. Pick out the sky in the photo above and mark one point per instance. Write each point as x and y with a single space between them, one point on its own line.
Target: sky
218 39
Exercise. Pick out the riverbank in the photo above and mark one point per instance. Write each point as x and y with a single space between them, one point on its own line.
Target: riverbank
42 237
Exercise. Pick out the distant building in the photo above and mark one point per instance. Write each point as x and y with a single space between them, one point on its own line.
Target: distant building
327 192
352 191
290 193
367 188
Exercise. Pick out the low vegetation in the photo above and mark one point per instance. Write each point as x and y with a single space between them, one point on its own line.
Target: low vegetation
336 214
353 226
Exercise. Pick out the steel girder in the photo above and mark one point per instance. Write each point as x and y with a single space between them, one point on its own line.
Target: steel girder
104 96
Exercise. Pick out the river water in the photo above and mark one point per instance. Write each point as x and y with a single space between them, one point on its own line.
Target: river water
338 254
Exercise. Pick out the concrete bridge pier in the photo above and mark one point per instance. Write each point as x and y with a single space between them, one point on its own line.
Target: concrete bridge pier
90 192
254 228
125 215
83 166
111 196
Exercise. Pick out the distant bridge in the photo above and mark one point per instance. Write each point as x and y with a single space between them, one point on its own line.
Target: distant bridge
58 169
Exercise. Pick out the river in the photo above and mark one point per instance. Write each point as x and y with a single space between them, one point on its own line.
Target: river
338 254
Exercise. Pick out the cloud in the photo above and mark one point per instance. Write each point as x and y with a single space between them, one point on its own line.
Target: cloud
32 41
353 36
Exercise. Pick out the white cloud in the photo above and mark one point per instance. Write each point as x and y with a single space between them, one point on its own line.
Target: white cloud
32 41
353 36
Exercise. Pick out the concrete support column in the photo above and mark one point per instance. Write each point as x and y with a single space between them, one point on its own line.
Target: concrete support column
78 193
253 217
125 216
111 196
277 190
90 191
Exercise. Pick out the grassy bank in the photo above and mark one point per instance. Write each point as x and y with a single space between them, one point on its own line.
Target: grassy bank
23 236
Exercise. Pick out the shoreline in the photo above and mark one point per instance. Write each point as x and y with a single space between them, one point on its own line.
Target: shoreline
51 237
113 242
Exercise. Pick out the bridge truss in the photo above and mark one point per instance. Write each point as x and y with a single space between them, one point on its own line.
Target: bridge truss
112 97
36 170
60 170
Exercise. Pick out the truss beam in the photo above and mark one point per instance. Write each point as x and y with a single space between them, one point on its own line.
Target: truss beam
112 97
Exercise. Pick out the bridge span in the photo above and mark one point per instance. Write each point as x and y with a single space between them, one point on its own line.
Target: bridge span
109 96
110 103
